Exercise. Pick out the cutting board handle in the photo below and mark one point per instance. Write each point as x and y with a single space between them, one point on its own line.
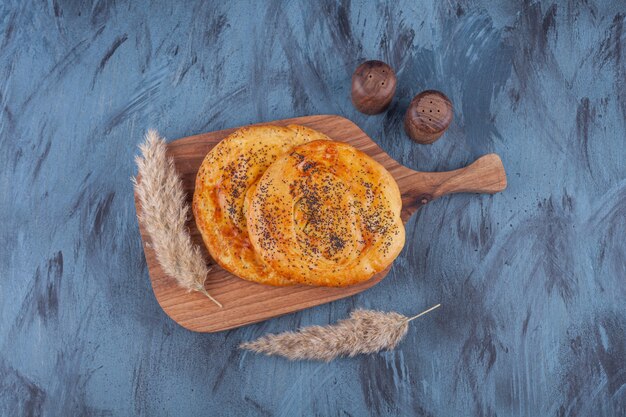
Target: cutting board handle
485 175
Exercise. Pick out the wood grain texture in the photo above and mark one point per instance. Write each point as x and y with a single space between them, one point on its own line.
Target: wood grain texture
428 116
532 281
373 87
247 302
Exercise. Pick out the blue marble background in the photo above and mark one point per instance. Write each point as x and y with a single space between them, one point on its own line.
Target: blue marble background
532 281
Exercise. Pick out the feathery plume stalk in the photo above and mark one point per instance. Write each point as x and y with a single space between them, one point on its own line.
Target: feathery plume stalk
164 213
366 331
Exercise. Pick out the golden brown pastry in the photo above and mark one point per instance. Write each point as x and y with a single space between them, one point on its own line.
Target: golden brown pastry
326 214
222 182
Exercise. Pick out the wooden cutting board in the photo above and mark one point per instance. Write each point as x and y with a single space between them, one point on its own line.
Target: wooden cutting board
246 302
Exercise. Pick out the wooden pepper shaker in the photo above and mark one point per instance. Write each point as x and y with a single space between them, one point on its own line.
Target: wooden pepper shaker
428 116
373 87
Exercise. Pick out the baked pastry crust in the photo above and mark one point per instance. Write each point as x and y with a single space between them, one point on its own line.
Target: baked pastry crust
326 214
223 180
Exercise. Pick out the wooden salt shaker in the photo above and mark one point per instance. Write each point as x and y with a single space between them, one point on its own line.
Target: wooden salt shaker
373 87
428 116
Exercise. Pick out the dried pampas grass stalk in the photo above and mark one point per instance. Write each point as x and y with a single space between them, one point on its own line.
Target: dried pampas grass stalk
366 331
164 213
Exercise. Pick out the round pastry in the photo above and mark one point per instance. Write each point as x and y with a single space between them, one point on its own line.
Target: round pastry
223 180
326 214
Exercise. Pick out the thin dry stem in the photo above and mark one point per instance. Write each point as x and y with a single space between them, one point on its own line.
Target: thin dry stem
164 212
424 312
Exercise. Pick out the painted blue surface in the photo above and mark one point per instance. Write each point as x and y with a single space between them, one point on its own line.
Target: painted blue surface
532 281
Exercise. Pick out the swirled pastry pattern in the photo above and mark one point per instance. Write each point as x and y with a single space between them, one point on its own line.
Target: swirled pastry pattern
326 214
222 183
